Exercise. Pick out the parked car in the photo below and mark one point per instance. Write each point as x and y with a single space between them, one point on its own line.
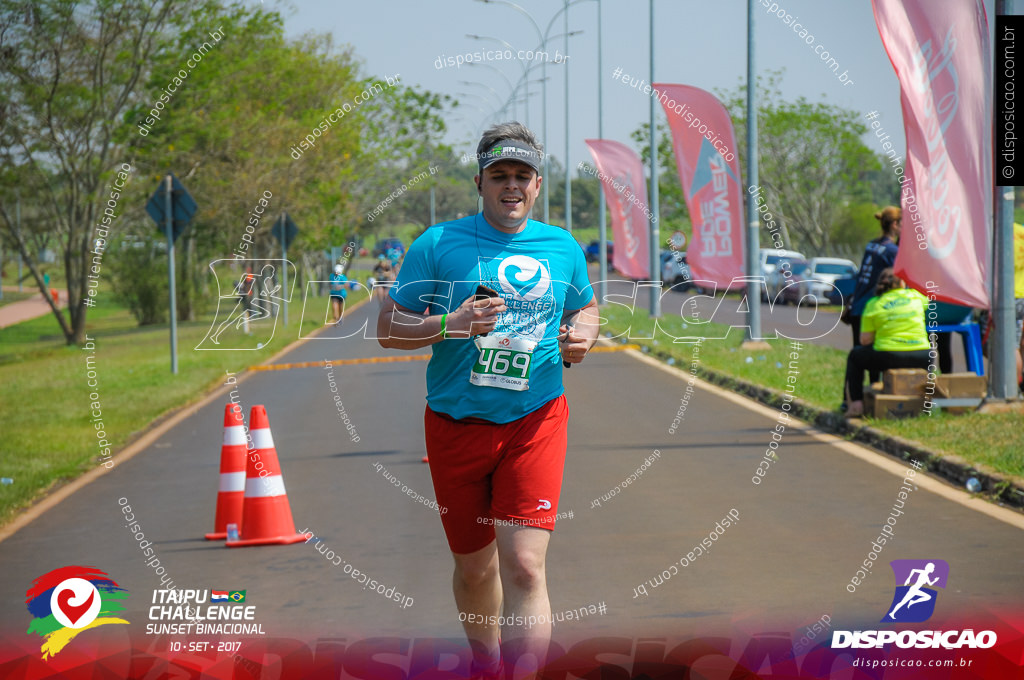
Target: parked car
843 290
386 244
790 286
593 254
821 275
675 270
783 272
770 257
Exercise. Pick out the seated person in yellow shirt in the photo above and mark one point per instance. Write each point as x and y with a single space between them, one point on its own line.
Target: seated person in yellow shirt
892 335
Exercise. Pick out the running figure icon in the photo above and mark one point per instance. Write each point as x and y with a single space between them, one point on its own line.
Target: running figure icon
915 594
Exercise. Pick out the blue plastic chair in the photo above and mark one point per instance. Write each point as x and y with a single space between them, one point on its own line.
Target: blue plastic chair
956 319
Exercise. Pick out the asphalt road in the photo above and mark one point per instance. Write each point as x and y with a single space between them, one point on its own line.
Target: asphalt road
800 537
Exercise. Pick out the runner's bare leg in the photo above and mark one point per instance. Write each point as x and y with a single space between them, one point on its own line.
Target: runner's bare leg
477 588
522 552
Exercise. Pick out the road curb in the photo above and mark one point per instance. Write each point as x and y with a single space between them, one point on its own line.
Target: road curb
951 468
142 439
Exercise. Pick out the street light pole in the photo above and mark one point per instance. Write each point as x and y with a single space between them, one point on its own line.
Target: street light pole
543 36
169 229
602 227
1003 380
655 236
753 217
504 105
568 168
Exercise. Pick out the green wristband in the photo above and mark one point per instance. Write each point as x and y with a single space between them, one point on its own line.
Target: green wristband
444 331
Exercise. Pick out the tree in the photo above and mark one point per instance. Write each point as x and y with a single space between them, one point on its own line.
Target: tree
230 131
68 73
211 91
812 162
261 115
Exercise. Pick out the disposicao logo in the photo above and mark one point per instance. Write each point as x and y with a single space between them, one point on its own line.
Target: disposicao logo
922 573
69 600
914 602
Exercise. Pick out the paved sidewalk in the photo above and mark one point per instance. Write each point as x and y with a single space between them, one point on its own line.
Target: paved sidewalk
16 312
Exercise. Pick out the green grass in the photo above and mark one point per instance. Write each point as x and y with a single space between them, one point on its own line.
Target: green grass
992 441
588 234
49 437
54 269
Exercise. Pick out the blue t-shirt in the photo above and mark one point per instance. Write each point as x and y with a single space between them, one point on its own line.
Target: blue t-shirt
879 254
338 286
539 272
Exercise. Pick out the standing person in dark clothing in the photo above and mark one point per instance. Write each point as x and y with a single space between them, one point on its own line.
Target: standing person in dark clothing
879 254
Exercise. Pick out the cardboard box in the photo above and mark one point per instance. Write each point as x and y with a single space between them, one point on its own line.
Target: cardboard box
953 385
895 406
904 381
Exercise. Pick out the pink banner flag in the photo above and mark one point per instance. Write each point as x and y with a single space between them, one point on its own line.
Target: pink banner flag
705 149
625 189
941 54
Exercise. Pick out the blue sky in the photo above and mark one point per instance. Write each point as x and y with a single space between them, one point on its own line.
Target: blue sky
697 42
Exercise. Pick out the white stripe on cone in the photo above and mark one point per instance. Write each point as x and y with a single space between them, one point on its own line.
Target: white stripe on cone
234 435
263 487
261 439
231 481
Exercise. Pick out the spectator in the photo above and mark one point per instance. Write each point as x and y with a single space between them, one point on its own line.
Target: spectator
383 275
394 255
893 335
879 254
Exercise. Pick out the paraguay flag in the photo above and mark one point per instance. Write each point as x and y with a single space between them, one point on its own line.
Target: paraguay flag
218 596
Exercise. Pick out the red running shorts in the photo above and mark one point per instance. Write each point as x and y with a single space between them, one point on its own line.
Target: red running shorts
485 473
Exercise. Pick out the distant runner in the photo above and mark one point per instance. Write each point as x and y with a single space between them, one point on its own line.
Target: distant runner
338 292
504 292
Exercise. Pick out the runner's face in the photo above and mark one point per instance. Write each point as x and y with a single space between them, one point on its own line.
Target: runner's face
509 189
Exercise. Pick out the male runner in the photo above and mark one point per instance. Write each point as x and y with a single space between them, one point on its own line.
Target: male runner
496 416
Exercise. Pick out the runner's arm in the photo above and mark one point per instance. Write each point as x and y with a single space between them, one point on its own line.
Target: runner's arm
579 331
401 328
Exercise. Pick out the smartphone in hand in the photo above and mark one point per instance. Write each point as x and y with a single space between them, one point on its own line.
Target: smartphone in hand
482 293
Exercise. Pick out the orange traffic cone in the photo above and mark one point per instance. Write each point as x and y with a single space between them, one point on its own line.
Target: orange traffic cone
266 515
231 491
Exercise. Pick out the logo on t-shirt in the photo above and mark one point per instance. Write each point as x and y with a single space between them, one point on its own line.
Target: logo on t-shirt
525 284
523 277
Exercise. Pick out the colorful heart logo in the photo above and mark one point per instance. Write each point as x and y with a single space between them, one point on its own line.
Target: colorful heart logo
73 612
75 603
